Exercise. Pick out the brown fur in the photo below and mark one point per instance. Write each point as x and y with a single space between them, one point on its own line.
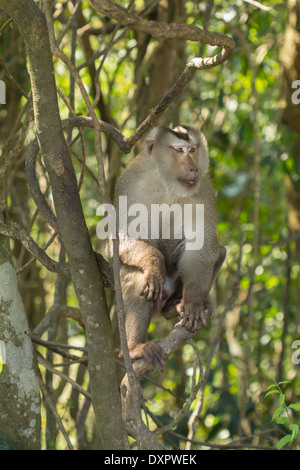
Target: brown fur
161 276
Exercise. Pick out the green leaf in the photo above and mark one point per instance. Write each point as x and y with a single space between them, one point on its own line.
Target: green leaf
270 386
272 391
285 440
283 420
282 399
277 412
295 407
284 382
294 428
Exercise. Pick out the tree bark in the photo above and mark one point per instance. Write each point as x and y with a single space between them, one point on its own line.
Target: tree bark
19 383
84 269
167 55
290 59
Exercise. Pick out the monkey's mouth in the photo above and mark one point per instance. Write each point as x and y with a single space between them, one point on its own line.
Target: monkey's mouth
188 183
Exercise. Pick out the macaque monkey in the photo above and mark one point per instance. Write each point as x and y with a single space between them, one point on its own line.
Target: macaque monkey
165 273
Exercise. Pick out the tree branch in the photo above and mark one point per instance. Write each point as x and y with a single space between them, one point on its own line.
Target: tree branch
70 220
17 232
173 341
41 202
169 31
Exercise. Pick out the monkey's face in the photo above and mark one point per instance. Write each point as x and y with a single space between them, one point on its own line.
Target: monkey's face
181 158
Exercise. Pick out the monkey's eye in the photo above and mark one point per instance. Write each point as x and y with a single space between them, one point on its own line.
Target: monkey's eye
193 149
177 149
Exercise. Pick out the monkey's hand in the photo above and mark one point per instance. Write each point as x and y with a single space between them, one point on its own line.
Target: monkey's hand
194 315
153 287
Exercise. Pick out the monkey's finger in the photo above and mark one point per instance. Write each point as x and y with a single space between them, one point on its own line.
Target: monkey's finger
191 322
161 366
205 315
195 323
143 290
147 291
151 290
156 291
198 324
161 290
184 318
153 355
188 322
204 319
159 360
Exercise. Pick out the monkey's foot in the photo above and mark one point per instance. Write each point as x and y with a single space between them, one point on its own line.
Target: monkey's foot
153 288
195 316
151 352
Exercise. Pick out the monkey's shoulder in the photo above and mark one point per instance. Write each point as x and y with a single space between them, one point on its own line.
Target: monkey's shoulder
137 176
139 166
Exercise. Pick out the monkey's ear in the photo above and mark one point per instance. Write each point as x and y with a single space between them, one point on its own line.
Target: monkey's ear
149 146
149 141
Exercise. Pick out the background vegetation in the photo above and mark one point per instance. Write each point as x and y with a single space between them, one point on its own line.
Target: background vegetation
244 107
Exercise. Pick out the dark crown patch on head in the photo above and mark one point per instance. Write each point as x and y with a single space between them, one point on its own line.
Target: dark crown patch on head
181 132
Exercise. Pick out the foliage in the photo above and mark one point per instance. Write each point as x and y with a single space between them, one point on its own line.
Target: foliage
282 415
262 321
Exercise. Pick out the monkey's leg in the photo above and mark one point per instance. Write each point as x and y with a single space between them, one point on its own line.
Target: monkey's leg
207 306
138 311
218 264
198 271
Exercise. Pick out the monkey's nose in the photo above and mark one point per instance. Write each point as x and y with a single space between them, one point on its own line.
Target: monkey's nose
193 173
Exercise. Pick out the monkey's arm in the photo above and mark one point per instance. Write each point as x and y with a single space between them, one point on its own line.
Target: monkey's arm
147 258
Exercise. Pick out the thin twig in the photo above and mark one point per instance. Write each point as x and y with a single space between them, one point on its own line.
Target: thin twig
5 25
183 412
52 369
57 346
14 230
15 152
215 343
55 414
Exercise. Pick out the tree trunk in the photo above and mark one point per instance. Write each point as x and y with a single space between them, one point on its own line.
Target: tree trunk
84 269
19 384
290 59
167 56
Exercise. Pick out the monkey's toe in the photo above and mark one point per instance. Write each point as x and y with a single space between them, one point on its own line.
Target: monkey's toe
153 354
192 323
206 313
195 317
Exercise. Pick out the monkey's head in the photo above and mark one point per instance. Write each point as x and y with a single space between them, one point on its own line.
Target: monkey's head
181 157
